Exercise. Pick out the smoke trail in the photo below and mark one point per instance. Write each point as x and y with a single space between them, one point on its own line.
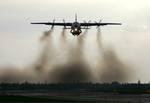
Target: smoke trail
85 32
75 70
16 74
81 40
113 69
99 38
63 36
110 66
70 73
47 53
47 34
46 68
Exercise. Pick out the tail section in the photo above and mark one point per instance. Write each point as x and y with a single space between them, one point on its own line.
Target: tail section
76 18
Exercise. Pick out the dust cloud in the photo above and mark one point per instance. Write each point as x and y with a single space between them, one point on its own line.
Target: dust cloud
111 67
72 67
63 38
47 53
75 69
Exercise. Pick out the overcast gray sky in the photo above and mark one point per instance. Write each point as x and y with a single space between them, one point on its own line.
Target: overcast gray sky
19 40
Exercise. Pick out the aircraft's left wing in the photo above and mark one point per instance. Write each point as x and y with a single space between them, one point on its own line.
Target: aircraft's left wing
99 24
54 24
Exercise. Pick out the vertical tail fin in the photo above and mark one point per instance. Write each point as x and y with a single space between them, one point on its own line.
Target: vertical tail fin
75 17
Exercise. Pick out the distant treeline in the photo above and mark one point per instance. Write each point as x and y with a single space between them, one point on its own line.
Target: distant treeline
114 87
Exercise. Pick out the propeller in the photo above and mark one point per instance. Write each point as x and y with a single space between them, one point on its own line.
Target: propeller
54 20
63 20
87 22
98 23
100 20
53 23
84 21
64 23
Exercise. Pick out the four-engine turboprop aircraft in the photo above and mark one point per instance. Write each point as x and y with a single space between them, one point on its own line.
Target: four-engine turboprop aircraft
76 26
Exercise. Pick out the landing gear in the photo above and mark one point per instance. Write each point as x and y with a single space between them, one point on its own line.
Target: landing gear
75 32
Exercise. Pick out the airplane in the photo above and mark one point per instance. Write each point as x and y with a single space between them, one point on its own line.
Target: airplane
76 26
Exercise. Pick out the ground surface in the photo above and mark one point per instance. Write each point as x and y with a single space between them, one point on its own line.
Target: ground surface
82 97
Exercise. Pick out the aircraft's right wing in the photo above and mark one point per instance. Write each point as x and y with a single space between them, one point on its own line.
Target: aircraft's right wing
54 24
99 24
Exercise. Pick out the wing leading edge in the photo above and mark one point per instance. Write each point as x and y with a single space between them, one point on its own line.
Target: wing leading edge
54 24
82 24
99 24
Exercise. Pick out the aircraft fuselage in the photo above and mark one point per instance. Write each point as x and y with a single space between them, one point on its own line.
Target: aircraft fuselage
76 28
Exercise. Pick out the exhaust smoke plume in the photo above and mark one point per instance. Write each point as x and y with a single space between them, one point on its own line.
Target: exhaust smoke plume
110 66
75 69
99 38
63 36
72 66
34 72
47 52
16 74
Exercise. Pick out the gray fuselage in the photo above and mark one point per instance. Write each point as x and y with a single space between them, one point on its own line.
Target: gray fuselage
76 28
